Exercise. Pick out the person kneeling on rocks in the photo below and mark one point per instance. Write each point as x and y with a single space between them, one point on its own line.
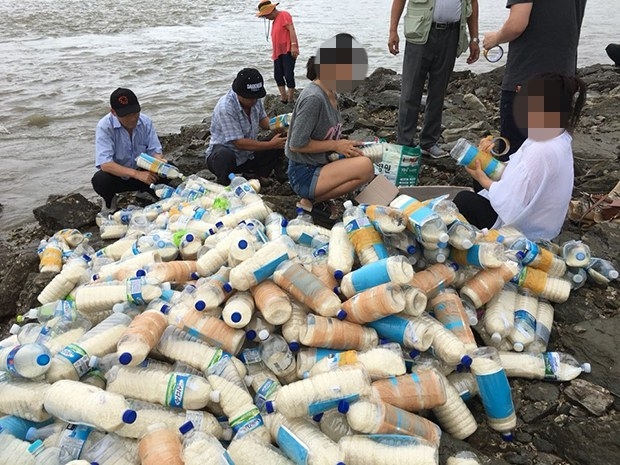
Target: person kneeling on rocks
121 136
235 122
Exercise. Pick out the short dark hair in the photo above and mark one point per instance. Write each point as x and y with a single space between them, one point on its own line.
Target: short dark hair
312 70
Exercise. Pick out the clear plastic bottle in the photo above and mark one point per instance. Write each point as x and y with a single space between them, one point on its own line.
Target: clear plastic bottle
14 451
93 299
44 455
333 424
238 309
325 391
25 361
306 287
465 383
380 362
332 333
159 167
260 378
454 416
483 255
435 254
386 220
76 402
275 225
544 322
212 291
177 390
383 418
499 314
576 276
23 398
395 269
111 449
421 220
277 356
74 271
434 278
600 271
295 325
545 286
539 257
243 190
256 324
404 330
162 191
466 154
374 303
19 427
72 361
272 302
366 240
446 345
200 448
262 265
280 121
462 235
448 309
548 366
54 335
160 445
212 330
63 309
463 458
423 389
526 310
140 337
576 254
248 451
488 282
178 271
494 390
394 449
302 229
403 241
50 256
115 250
415 300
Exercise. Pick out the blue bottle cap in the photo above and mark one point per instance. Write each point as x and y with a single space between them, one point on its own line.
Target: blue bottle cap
140 273
125 358
31 434
507 436
186 427
235 317
242 244
317 417
43 360
194 275
250 334
35 446
129 416
189 237
343 406
165 309
219 225
341 315
321 252
231 176
270 407
294 346
200 305
167 294
411 249
338 274
466 360
227 287
580 256
414 353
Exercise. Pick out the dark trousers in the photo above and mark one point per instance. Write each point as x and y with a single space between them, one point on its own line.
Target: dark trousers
284 70
476 209
107 185
222 161
613 52
435 61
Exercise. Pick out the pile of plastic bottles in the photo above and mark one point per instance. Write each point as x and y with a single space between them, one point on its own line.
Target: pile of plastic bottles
214 330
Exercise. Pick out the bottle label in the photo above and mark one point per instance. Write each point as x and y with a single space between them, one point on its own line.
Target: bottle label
344 358
473 256
10 361
531 252
265 392
552 365
305 239
246 422
219 362
78 358
292 446
322 406
177 382
267 270
195 416
394 440
394 328
72 442
495 394
251 356
134 291
370 275
525 323
542 333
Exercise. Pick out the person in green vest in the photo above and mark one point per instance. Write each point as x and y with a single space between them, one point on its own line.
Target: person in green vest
435 33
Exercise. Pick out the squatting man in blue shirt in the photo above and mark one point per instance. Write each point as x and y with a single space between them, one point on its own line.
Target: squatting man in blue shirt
121 136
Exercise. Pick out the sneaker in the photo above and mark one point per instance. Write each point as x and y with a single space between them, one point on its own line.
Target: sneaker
434 151
105 210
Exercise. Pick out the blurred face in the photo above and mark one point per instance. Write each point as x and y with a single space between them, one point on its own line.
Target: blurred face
539 112
343 63
129 121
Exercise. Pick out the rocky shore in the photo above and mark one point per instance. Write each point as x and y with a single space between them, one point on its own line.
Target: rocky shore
574 423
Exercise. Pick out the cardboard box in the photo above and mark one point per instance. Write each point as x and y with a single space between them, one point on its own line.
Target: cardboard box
380 191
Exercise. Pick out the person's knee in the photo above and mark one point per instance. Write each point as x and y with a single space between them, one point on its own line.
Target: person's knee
367 169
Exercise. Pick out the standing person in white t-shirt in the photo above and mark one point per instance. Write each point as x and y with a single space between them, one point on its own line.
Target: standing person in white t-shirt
536 187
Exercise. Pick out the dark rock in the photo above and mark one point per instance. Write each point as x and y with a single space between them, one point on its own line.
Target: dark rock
545 392
33 285
543 445
593 398
19 268
536 411
546 459
70 211
522 437
524 457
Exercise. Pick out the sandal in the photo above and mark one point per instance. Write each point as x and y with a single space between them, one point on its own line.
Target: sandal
322 213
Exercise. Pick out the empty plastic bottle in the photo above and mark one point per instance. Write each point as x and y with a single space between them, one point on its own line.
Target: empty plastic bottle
466 154
63 309
320 393
576 276
395 269
600 271
465 384
576 254
140 337
160 445
44 455
76 402
307 288
110 449
366 240
335 334
421 220
333 424
307 358
19 427
548 366
260 378
277 356
159 167
383 418
25 361
494 390
374 303
272 302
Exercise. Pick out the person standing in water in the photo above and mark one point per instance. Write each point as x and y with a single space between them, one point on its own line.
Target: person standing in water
285 48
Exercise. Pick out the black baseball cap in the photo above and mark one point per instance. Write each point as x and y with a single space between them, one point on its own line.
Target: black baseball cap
249 84
124 102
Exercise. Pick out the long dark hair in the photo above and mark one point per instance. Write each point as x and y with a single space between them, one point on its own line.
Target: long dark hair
312 71
563 94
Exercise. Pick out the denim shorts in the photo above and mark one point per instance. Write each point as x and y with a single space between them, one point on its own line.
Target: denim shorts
303 178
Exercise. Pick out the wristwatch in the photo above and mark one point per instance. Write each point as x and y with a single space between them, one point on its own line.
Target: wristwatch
475 40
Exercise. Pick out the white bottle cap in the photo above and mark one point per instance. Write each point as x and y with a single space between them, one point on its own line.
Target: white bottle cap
263 334
497 338
14 329
586 367
577 278
467 243
518 347
215 396
613 274
443 238
347 204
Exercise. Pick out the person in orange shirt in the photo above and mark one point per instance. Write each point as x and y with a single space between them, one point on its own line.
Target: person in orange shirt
285 48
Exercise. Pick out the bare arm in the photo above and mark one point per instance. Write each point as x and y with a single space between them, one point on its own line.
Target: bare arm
123 171
294 42
343 146
397 10
472 25
514 26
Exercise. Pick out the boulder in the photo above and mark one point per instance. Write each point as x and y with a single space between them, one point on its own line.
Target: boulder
69 211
